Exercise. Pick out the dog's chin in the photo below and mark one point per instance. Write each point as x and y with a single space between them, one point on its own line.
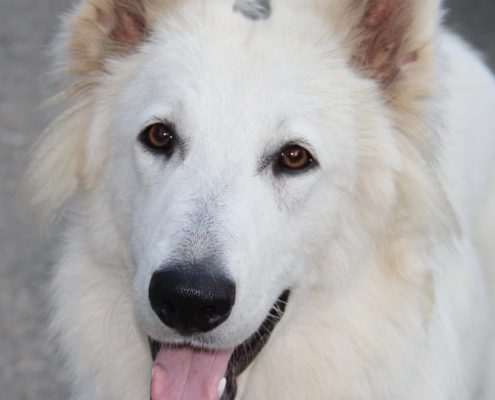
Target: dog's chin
191 372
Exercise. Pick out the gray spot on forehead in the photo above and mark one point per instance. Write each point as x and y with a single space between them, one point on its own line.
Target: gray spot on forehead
253 9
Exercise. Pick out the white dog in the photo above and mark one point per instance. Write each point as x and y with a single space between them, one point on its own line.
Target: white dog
285 199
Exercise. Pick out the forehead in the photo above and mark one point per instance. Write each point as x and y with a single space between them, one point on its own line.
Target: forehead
210 63
209 43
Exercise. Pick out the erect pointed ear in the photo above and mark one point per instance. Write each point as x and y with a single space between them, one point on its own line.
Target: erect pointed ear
388 35
102 28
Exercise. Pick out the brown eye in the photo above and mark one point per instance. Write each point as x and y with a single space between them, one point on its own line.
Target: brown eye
295 158
159 137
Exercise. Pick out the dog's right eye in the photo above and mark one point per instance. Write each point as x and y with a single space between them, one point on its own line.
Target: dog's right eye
159 138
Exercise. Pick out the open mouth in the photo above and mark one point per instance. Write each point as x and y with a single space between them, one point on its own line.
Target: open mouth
185 373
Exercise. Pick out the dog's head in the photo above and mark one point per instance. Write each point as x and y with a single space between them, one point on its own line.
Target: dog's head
224 151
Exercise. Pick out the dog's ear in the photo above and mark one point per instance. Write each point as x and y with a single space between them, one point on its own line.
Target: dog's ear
100 29
94 32
387 36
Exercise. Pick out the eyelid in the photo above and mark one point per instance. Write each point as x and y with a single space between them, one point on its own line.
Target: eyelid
160 120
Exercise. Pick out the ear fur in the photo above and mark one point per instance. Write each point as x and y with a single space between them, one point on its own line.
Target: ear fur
388 35
55 170
103 28
94 32
394 44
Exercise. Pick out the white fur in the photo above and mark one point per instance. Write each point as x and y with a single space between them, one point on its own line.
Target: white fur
390 298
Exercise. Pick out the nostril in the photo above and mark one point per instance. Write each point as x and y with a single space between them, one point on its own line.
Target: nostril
208 312
210 315
168 308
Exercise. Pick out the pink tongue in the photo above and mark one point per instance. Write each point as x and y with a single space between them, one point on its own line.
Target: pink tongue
187 374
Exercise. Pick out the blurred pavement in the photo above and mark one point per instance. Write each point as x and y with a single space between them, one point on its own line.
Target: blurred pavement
28 368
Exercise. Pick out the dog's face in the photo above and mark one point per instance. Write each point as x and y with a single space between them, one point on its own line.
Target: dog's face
222 153
234 155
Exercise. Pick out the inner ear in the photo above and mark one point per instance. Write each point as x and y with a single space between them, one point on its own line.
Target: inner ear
101 29
380 47
125 22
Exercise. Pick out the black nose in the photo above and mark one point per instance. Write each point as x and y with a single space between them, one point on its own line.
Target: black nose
191 299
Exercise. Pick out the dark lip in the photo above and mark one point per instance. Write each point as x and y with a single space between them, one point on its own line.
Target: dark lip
246 352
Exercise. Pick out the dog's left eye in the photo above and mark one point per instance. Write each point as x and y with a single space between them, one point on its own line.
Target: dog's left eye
159 137
294 158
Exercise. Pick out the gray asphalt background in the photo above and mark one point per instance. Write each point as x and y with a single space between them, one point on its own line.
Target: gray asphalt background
28 367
